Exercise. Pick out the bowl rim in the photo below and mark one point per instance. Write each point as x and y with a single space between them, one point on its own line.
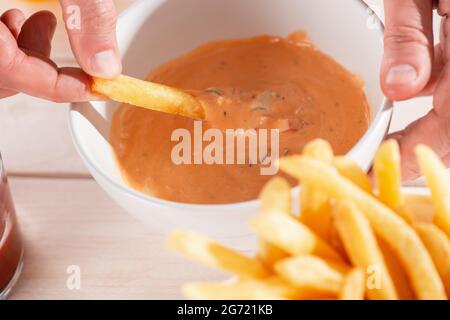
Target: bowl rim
386 107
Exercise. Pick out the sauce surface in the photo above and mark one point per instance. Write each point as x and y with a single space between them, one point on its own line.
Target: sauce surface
259 83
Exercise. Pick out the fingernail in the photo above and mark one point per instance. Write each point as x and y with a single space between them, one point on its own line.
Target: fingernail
401 74
105 64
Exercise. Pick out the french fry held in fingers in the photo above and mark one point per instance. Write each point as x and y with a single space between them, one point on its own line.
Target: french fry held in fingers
393 229
354 285
438 181
362 247
148 95
214 255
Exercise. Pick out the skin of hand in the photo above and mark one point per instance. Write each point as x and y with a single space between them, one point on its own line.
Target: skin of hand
412 66
25 46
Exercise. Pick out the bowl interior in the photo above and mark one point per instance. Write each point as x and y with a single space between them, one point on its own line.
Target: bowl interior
153 32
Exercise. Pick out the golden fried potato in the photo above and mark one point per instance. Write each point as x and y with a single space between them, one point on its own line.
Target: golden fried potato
394 230
362 248
149 95
438 246
354 285
387 171
214 255
438 181
292 236
310 272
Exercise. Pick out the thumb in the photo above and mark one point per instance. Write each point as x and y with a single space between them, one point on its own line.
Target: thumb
91 26
408 55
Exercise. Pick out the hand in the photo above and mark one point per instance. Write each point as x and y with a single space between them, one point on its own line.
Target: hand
411 67
25 46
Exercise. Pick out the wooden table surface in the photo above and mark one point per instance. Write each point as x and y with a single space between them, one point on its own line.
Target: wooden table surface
72 222
67 220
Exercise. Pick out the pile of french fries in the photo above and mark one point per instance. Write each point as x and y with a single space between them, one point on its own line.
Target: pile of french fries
349 242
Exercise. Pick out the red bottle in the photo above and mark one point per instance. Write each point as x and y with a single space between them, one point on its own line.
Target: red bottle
11 248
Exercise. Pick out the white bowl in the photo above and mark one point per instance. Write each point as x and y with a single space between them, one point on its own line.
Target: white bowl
154 31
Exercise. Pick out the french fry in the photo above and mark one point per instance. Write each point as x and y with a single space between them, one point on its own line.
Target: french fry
315 211
438 246
394 230
397 272
418 208
354 285
310 272
149 95
270 254
396 253
319 149
213 255
290 235
315 205
438 181
271 288
350 170
388 174
362 248
276 196
242 289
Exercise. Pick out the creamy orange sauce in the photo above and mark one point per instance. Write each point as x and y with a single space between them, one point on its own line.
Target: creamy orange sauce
263 82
